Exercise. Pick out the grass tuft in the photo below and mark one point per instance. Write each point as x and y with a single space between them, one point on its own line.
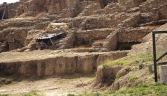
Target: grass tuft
133 78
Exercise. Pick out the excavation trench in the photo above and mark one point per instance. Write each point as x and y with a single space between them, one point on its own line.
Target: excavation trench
48 64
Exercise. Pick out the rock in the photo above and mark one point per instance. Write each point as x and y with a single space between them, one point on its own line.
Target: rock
162 74
106 75
8 81
123 72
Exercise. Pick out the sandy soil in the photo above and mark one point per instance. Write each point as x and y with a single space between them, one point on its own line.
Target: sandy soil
39 55
52 86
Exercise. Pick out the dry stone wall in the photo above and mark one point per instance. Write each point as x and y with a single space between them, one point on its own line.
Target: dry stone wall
132 35
16 32
90 9
130 3
111 41
88 36
73 22
163 11
125 35
132 21
151 4
32 7
68 41
15 39
111 9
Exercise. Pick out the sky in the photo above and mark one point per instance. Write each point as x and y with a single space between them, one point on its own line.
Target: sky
8 1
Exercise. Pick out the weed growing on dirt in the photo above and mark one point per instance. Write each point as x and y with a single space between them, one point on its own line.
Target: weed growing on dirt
118 74
133 78
32 93
91 94
105 65
4 95
70 95
140 90
130 60
145 90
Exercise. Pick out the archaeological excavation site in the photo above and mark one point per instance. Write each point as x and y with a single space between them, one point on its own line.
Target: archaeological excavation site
80 47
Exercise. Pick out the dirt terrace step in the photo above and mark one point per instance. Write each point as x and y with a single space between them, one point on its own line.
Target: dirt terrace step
47 62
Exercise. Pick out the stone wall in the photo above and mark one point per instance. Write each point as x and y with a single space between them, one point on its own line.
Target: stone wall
132 21
111 41
121 6
105 2
153 10
32 7
130 3
152 15
132 35
106 21
73 22
68 41
162 11
95 23
90 9
12 9
111 9
15 38
151 4
125 35
88 36
17 33
106 75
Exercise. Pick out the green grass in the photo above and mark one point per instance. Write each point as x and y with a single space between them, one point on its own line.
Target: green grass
140 90
133 78
4 95
32 93
105 65
91 94
70 95
145 90
130 60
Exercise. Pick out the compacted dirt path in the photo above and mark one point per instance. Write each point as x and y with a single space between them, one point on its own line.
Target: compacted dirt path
51 86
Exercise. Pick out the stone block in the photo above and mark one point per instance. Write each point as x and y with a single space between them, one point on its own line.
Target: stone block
163 74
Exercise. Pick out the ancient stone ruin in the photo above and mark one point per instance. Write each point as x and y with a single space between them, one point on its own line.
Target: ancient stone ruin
100 25
84 33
